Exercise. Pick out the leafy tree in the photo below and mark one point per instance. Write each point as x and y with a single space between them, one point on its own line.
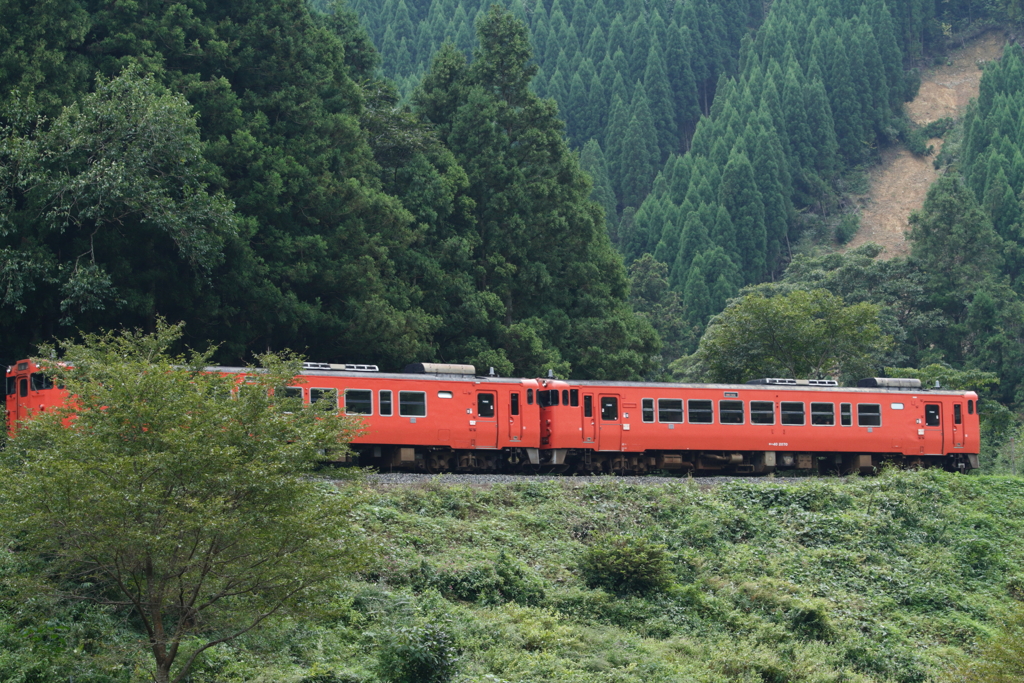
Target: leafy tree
800 334
156 493
127 160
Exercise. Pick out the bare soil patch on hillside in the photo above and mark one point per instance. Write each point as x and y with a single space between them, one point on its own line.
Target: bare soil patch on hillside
900 183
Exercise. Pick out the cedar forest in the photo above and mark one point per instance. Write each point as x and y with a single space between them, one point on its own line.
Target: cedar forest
576 185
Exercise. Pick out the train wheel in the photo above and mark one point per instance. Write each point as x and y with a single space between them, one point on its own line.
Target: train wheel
436 464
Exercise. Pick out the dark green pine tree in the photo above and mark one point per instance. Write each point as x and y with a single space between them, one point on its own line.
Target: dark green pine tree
693 240
738 193
682 82
723 277
615 134
662 105
696 296
576 111
724 234
558 287
888 49
1002 206
795 112
596 116
637 171
846 108
819 120
592 160
668 246
777 206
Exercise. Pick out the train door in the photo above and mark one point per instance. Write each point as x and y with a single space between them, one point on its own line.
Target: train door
515 419
19 387
589 426
957 428
931 434
610 429
486 418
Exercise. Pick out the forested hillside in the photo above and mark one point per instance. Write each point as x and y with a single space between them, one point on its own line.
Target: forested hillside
241 167
263 172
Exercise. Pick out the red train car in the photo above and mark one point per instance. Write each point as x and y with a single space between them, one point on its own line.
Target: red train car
756 428
434 417
438 418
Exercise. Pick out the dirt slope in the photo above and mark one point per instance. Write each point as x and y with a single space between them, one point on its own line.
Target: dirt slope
899 184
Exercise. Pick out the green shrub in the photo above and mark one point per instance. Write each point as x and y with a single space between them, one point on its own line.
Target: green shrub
848 226
937 128
917 143
418 654
504 580
626 564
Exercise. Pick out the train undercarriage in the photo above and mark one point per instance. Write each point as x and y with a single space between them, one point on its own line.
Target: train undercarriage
439 460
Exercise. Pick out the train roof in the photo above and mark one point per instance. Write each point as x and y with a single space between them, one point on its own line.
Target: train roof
363 374
769 387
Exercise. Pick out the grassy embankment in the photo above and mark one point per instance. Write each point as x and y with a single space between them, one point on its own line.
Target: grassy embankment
894 578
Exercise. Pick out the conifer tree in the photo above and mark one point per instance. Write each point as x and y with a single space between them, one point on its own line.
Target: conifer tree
738 193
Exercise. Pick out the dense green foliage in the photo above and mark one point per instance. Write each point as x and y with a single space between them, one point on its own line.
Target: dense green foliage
157 496
805 333
901 578
241 167
683 108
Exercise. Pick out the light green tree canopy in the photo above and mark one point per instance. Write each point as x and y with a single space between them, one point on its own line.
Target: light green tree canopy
800 334
177 495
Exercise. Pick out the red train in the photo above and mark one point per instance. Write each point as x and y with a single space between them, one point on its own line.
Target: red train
437 418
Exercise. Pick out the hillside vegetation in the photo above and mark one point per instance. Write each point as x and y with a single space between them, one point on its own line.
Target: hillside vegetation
906 577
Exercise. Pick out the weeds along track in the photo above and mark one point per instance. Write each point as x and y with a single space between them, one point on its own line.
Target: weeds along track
483 480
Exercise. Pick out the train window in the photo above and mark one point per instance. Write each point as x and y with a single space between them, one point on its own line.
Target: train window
40 382
529 397
358 402
288 392
609 408
444 394
896 406
23 387
485 405
670 410
730 412
869 415
845 414
701 412
317 395
514 404
588 406
823 414
647 409
412 403
970 406
762 413
931 415
957 416
384 402
547 398
565 397
12 386
574 398
792 412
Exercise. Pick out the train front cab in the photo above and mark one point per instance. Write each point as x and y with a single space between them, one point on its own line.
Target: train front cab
28 392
